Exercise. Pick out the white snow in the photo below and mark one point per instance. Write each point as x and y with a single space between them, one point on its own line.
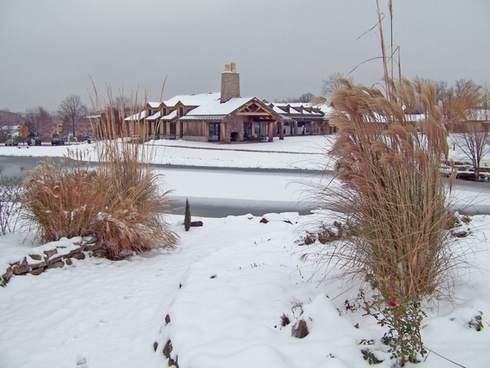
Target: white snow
216 107
193 100
225 286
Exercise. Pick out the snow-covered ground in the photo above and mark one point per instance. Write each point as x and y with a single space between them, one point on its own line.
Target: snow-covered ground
225 288
304 152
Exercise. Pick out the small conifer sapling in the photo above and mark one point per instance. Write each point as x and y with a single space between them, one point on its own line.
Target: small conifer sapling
187 216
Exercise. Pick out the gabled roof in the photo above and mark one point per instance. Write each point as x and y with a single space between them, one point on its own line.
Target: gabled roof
204 106
154 116
154 105
170 116
216 110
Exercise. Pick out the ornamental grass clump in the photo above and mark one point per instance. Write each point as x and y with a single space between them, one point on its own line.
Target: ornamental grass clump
393 191
133 220
119 202
61 200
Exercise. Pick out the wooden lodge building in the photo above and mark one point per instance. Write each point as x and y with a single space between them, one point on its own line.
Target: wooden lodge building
225 116
301 118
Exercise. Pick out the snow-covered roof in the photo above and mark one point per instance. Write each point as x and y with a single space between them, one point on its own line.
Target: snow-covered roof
154 105
193 100
297 110
415 117
154 116
302 111
170 116
298 104
138 116
216 117
326 109
482 115
277 109
211 108
478 115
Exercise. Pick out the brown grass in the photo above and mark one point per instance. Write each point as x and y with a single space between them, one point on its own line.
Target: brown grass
61 200
393 189
120 202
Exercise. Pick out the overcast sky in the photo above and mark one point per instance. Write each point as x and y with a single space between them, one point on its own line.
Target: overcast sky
50 49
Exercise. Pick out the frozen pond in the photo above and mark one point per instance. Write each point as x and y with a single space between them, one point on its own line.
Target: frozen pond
222 192
217 192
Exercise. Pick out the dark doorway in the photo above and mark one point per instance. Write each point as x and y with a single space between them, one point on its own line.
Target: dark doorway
173 131
214 132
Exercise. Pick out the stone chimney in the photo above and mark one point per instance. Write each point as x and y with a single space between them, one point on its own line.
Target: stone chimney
230 83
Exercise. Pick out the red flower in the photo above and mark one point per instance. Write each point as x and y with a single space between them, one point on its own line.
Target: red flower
393 303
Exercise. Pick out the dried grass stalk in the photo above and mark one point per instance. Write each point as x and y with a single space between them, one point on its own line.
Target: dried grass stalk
120 202
393 188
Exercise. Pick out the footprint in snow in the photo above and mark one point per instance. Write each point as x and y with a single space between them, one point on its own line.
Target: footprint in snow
81 362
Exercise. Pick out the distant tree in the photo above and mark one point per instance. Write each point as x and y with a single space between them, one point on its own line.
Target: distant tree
333 82
458 101
72 110
318 100
8 118
464 87
39 121
8 122
468 108
127 105
304 98
443 92
442 89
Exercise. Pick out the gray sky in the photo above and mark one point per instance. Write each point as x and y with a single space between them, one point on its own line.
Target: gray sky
283 48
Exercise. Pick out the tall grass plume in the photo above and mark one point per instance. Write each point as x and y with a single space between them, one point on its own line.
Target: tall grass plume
120 201
393 188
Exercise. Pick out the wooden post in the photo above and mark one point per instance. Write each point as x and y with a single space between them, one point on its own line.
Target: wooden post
222 130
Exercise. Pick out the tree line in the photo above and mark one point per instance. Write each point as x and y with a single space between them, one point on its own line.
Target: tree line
43 123
70 119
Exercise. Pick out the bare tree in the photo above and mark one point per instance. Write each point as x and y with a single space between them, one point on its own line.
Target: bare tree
334 82
38 120
8 118
465 87
8 121
127 106
304 98
442 89
468 109
72 110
